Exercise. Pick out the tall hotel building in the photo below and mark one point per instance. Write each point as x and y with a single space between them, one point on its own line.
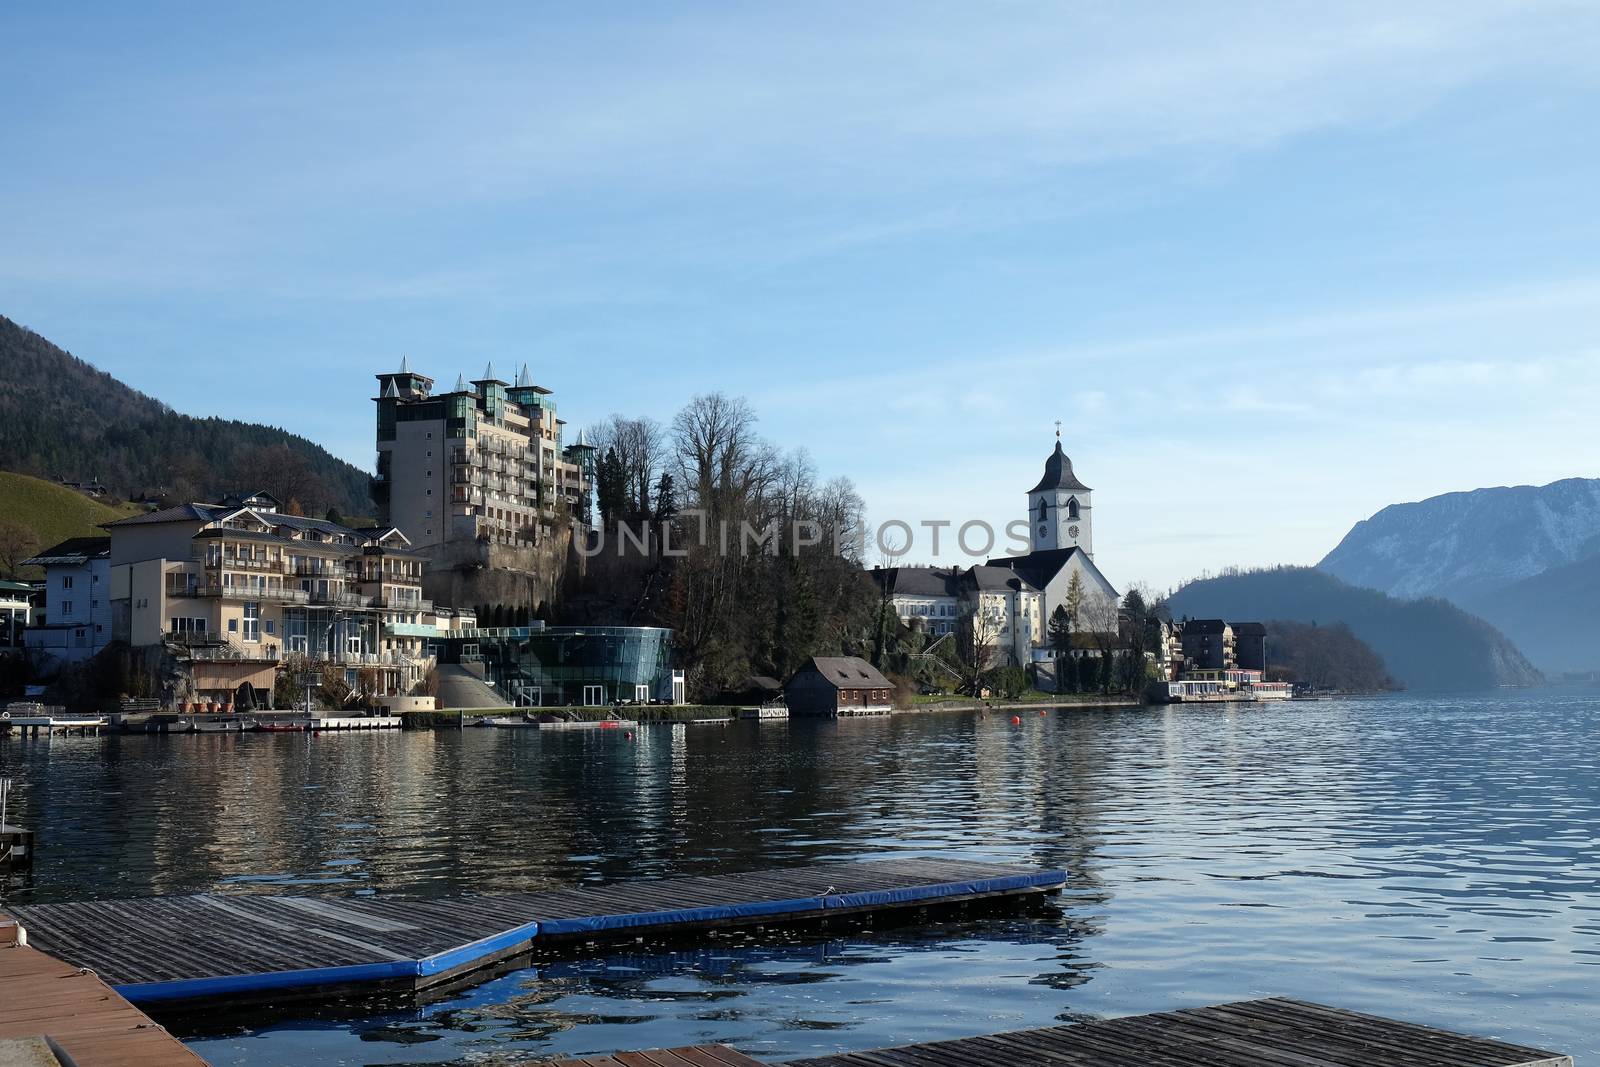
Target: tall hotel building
483 463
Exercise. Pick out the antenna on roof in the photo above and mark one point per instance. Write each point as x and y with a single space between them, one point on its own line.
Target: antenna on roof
1058 429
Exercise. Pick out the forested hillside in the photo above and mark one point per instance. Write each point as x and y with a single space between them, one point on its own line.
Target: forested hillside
62 418
1324 657
1425 644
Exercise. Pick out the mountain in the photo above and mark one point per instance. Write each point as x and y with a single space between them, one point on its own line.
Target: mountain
1463 545
1527 559
1425 644
1554 615
62 418
47 514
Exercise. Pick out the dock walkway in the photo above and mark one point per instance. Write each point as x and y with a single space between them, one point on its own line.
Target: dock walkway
46 1001
1254 1033
242 947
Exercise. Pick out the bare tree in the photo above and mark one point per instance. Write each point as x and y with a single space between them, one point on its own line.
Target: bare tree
17 543
977 641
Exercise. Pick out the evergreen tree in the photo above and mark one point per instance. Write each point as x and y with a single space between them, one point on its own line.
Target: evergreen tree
666 499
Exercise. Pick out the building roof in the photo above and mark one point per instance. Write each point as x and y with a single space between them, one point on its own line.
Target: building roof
1058 474
992 579
74 550
1040 568
850 672
1204 626
1249 629
177 513
918 581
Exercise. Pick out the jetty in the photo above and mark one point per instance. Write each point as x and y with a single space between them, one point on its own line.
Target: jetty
54 1013
1277 1032
189 951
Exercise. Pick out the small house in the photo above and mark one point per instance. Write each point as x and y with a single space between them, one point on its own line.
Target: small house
838 685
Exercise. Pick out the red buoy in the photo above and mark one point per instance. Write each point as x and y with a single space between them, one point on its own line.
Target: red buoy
1016 720
1041 713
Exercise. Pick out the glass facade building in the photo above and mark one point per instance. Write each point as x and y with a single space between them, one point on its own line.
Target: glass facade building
572 665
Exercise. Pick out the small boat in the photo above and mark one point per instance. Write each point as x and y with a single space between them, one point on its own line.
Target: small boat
509 722
281 726
217 726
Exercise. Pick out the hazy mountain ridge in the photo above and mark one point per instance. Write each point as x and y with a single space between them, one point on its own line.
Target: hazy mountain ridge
62 417
1462 545
1525 558
1425 644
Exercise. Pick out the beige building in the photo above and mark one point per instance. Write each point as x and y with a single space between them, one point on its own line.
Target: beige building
237 587
482 463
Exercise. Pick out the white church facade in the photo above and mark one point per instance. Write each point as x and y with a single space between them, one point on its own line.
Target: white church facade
1017 595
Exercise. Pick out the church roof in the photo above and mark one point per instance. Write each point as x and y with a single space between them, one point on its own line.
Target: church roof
1040 568
1058 474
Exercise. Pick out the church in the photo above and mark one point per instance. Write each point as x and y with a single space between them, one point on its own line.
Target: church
1016 594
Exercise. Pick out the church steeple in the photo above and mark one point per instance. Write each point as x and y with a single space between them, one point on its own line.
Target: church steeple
1058 507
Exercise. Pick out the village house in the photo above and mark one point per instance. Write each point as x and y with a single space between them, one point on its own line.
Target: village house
838 685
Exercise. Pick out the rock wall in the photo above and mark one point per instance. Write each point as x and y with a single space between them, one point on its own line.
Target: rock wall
466 574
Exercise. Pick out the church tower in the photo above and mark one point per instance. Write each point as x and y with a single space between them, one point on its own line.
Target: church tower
1058 507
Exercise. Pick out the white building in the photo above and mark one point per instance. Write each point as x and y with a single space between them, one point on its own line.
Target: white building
74 623
1013 597
926 598
16 612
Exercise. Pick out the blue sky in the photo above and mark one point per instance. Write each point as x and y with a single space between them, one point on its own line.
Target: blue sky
1274 265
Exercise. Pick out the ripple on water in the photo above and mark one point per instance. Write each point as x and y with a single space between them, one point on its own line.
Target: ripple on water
1430 858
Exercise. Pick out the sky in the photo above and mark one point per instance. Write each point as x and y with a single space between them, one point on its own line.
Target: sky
1273 265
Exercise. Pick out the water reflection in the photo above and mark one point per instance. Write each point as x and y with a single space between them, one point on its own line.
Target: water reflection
1432 858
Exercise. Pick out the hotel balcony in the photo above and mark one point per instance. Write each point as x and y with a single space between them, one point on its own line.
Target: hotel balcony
340 599
333 570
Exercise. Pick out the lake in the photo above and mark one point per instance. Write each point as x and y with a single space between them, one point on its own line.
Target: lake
1430 858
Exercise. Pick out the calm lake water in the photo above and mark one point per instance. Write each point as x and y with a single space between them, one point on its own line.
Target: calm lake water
1436 859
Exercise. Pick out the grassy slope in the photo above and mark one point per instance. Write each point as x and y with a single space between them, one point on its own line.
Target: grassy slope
53 514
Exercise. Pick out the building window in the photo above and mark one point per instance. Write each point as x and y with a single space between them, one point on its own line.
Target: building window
233 626
66 605
66 582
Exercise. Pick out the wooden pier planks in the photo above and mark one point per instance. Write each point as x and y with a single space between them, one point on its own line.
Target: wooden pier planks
1258 1033
688 1056
42 996
210 945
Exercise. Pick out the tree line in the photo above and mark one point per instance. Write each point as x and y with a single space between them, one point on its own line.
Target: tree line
692 490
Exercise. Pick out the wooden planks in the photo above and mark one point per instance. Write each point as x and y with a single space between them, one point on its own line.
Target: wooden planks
688 1056
1278 1032
209 945
42 996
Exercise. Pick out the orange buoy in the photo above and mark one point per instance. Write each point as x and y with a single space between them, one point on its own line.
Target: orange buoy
1041 713
1016 720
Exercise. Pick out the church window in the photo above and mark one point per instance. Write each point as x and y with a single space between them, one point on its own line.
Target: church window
1043 509
1072 508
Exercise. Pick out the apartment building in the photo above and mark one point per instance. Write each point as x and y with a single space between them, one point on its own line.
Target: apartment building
237 587
484 462
1208 645
74 621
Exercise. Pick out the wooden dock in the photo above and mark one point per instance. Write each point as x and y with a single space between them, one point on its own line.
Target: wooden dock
1252 1033
52 1012
247 947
